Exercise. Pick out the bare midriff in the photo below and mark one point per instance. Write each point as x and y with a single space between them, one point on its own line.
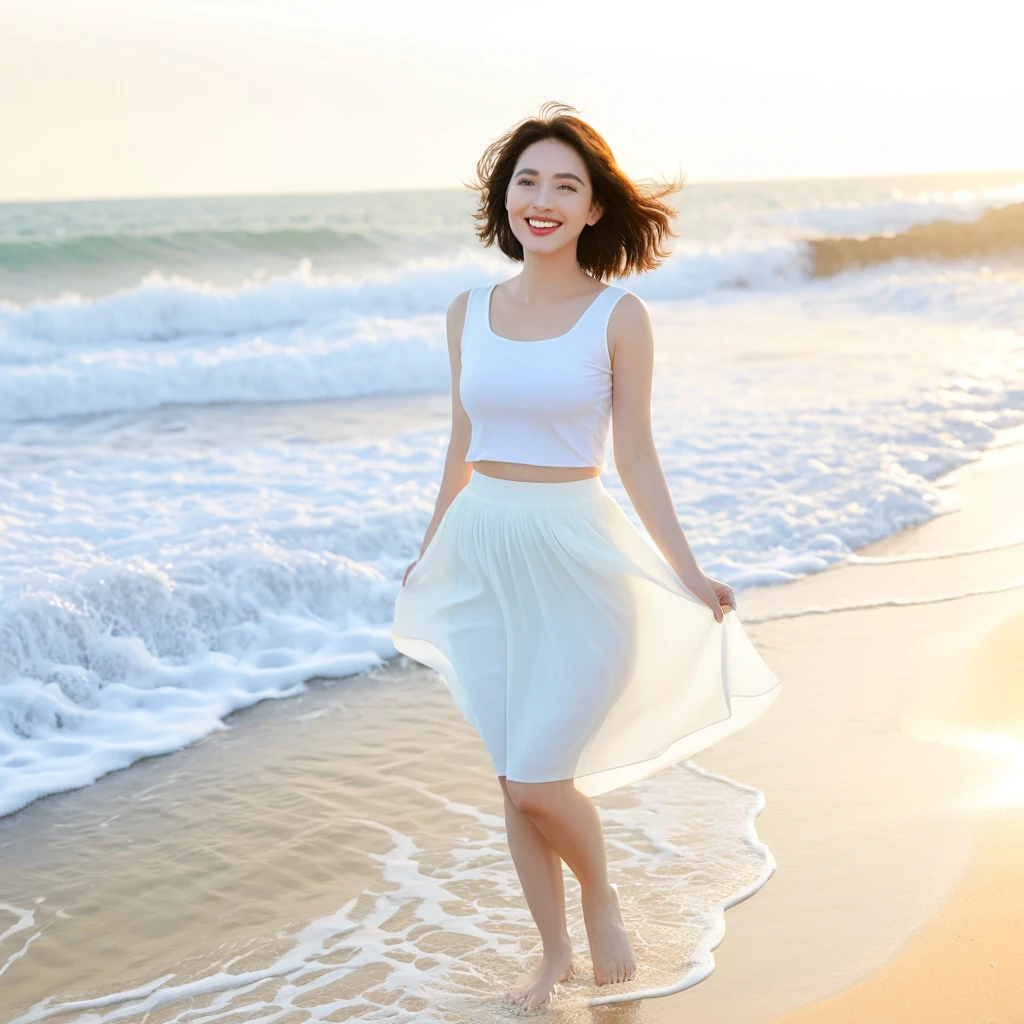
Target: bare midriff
537 474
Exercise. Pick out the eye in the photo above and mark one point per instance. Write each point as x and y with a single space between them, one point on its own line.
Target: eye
572 188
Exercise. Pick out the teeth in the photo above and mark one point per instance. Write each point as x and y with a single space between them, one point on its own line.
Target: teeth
542 223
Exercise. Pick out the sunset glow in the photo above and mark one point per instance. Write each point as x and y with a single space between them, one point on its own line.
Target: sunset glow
167 98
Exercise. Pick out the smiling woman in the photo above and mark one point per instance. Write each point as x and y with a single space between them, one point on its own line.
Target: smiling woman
525 176
627 234
585 656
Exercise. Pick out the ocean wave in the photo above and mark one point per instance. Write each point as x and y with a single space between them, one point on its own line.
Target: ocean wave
368 358
154 578
986 297
73 243
121 660
736 265
163 309
300 337
168 309
305 337
84 252
997 232
903 210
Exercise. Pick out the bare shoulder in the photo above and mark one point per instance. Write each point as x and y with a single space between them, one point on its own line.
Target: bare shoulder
456 317
629 325
457 307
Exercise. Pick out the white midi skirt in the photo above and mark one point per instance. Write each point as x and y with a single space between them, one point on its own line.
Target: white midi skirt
568 642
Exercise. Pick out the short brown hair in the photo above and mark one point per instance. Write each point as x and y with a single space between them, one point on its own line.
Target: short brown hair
628 237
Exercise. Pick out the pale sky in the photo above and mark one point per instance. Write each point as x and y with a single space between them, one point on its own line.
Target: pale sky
184 97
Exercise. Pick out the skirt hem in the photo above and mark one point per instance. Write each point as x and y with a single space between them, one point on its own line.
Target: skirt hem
743 709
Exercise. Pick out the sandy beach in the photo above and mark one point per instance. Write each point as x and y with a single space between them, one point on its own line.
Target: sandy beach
917 911
234 244
280 868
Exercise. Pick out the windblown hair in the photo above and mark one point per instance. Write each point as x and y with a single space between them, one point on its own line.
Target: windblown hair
627 239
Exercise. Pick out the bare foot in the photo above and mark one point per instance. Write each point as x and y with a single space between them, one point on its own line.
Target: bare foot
535 991
610 948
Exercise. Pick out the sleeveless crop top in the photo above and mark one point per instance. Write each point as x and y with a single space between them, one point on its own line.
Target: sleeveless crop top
543 403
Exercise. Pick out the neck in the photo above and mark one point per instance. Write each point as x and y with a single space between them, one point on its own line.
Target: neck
550 277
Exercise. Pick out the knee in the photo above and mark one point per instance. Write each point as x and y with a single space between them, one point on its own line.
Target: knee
536 799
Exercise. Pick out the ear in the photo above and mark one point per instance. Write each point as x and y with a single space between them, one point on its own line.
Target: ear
596 213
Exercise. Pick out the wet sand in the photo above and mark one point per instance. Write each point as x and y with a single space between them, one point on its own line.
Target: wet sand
239 879
895 825
967 962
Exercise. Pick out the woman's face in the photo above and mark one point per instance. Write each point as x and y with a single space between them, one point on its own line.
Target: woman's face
550 199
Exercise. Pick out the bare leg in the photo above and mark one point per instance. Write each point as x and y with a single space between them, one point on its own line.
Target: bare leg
569 821
540 872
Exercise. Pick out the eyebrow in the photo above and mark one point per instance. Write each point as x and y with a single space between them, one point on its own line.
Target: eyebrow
559 174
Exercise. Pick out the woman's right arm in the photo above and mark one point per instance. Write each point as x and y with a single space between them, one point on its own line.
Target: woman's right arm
456 470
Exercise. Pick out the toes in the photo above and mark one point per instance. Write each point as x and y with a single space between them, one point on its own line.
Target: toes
526 999
615 975
533 1002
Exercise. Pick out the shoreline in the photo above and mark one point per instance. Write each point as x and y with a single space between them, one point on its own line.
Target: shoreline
873 934
267 653
967 961
246 836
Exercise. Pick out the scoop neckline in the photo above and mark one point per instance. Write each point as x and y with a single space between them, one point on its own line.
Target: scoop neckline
535 341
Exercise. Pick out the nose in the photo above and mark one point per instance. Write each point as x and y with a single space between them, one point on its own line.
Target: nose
542 198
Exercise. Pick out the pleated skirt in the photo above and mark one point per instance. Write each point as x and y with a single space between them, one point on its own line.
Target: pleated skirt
568 642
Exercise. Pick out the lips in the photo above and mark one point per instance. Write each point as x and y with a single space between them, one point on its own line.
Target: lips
555 225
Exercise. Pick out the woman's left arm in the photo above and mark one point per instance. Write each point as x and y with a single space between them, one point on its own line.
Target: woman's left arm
631 346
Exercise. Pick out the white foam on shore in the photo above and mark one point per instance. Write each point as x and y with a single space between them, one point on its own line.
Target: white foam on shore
446 930
152 581
856 559
884 602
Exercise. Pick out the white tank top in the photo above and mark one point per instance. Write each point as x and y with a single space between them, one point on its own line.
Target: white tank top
542 403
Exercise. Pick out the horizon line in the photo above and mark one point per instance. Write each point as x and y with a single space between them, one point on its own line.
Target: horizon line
142 197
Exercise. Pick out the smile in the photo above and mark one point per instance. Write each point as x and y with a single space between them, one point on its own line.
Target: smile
540 226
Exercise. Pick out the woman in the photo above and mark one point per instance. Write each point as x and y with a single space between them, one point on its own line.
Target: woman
584 657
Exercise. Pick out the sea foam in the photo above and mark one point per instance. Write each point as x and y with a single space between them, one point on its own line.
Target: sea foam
155 578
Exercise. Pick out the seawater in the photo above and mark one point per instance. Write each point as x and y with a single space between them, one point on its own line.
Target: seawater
223 424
